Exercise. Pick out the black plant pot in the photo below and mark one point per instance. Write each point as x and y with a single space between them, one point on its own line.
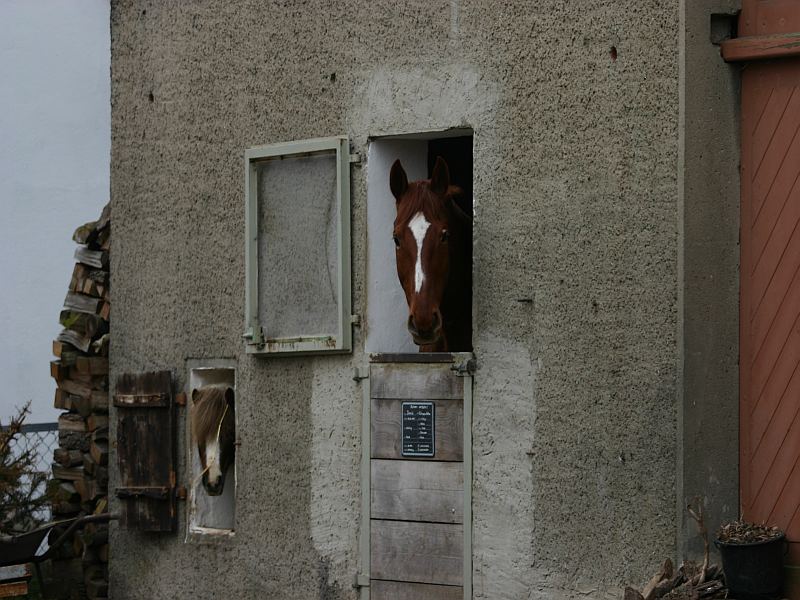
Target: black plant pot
753 570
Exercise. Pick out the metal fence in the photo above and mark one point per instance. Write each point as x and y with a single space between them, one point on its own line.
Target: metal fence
40 439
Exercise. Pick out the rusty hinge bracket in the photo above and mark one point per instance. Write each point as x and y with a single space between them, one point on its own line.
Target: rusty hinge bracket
157 493
135 400
465 368
360 580
180 399
180 492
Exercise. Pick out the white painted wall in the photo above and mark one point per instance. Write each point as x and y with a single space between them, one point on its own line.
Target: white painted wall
54 175
387 310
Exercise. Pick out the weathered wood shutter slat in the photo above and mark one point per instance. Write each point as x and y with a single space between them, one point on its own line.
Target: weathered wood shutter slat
146 451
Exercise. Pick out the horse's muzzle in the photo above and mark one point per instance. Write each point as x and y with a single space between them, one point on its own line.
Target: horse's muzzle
425 337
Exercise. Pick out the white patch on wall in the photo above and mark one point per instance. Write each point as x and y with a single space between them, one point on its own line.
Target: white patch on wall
210 515
504 521
334 479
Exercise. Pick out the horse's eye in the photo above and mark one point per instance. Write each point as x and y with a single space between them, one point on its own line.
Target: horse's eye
445 235
396 241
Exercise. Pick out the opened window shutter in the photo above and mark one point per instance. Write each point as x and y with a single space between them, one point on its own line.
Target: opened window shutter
146 451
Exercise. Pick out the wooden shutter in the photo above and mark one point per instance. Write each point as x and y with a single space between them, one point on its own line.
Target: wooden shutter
146 451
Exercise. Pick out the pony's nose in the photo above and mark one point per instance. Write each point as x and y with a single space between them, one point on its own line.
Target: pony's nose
213 487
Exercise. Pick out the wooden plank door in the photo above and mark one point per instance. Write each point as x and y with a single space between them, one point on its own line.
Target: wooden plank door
419 481
770 273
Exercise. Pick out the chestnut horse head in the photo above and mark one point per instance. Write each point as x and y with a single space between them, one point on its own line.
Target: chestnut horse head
214 430
433 240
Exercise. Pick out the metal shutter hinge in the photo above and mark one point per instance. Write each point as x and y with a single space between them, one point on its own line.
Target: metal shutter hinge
254 335
465 368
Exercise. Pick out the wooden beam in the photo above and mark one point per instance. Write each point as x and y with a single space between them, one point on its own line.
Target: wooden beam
417 552
761 47
14 590
396 590
415 382
408 490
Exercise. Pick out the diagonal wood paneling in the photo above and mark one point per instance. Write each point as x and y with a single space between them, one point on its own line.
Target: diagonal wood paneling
777 202
775 271
770 296
769 160
777 410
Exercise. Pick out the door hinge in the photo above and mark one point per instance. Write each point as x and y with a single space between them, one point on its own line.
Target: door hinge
360 580
360 373
254 336
155 492
355 158
465 368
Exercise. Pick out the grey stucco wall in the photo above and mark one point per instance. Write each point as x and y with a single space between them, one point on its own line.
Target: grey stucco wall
708 418
576 199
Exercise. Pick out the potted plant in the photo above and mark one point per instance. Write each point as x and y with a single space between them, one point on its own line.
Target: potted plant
752 558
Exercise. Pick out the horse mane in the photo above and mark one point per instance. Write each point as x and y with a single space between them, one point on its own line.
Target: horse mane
208 409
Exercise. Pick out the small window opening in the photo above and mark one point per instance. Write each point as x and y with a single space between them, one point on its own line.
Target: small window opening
389 319
212 417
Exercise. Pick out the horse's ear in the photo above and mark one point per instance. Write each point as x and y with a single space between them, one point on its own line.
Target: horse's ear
195 393
229 396
440 180
398 180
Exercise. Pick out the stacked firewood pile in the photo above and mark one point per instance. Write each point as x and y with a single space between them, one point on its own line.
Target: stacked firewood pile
80 468
690 581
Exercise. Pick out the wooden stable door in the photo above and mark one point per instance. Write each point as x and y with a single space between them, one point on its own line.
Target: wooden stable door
770 268
418 478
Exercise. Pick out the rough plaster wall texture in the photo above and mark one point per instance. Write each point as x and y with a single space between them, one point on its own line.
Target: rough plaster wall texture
182 120
575 187
581 219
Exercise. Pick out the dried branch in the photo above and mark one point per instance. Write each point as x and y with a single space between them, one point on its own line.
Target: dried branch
697 515
21 496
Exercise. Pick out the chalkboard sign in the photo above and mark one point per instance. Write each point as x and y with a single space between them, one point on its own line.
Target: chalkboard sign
418 429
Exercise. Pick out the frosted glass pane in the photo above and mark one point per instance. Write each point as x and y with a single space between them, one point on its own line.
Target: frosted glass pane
297 246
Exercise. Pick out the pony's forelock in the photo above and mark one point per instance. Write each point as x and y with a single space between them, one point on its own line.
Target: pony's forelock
207 411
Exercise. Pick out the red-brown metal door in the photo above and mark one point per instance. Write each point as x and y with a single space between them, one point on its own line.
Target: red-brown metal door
770 259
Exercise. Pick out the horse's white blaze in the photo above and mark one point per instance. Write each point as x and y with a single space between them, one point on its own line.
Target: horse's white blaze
419 227
212 460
